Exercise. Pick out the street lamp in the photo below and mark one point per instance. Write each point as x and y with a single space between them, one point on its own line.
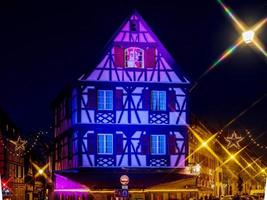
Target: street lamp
248 36
204 144
196 171
232 157
40 171
197 168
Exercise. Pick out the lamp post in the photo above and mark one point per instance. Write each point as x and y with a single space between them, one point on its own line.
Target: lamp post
248 36
196 171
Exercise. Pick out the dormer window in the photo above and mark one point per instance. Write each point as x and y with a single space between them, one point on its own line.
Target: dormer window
134 25
134 57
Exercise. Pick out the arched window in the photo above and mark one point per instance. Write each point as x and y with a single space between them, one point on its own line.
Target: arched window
134 57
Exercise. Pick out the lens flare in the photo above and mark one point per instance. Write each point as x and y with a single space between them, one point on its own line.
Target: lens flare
247 36
232 16
233 157
242 113
228 52
206 146
40 170
258 25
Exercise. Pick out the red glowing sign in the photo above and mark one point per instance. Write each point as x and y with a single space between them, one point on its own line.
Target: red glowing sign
124 179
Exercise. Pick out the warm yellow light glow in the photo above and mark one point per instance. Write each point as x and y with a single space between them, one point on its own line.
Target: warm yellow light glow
212 138
40 171
248 36
232 157
260 172
204 144
198 168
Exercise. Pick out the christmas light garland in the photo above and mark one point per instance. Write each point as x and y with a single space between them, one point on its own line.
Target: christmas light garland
20 144
254 141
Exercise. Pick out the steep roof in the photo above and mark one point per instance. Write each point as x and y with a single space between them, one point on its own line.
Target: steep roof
142 37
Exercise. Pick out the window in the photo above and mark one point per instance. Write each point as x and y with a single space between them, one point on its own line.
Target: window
70 151
134 57
158 144
134 25
105 100
104 143
158 100
59 151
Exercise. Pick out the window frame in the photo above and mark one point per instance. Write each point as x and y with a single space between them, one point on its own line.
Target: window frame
105 102
158 101
105 148
157 136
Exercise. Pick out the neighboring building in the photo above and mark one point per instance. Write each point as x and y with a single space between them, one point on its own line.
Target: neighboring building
29 180
249 169
11 160
208 178
127 116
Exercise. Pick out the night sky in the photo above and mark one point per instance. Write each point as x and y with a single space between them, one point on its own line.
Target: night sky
46 45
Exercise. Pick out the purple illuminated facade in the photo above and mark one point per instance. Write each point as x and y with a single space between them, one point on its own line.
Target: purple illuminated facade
130 111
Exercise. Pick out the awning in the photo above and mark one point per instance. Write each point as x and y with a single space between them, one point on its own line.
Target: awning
101 179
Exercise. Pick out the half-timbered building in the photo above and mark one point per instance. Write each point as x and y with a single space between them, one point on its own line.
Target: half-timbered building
127 115
11 160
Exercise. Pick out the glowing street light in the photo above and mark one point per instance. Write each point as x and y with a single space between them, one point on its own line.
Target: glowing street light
197 168
248 36
232 157
40 171
204 144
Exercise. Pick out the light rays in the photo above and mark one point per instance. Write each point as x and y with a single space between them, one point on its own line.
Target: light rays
40 170
249 165
242 28
231 156
242 113
228 52
258 25
203 144
245 163
232 16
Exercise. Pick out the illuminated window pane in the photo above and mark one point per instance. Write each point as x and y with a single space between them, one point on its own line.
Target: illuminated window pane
158 144
105 143
158 100
134 57
105 100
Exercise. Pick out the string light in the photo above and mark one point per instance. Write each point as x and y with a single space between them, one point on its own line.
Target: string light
4 141
254 141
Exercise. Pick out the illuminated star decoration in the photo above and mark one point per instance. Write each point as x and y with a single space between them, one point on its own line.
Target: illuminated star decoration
233 141
19 144
248 36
